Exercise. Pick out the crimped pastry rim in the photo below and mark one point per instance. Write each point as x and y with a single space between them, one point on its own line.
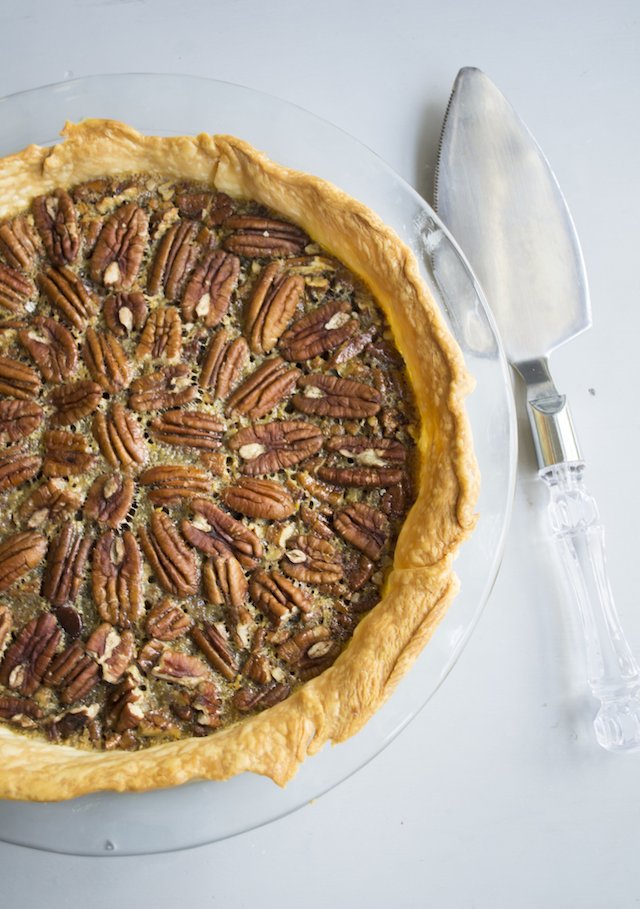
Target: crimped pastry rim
421 585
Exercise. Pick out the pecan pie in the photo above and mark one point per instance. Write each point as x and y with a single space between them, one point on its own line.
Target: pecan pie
234 463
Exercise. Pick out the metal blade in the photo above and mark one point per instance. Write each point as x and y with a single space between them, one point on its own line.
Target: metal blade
498 196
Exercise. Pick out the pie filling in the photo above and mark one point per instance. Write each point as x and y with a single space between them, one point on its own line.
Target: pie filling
206 456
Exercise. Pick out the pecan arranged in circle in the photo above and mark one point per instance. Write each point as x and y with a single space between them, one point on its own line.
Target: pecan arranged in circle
52 348
29 656
207 294
19 243
168 387
364 527
119 249
124 313
17 379
106 361
18 419
224 581
64 570
50 503
56 218
330 396
274 300
212 639
190 428
257 237
162 335
74 401
15 289
259 499
173 563
263 389
309 647
74 673
65 454
215 532
276 596
66 292
174 259
268 447
16 467
109 499
116 575
174 482
311 559
319 331
119 437
223 363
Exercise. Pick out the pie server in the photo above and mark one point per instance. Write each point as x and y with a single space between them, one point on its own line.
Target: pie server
496 193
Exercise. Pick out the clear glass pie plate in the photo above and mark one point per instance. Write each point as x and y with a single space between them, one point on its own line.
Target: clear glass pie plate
202 812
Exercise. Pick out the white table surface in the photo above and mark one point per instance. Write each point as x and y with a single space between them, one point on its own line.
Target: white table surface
496 795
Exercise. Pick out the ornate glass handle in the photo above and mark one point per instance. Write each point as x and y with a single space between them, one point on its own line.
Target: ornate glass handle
613 674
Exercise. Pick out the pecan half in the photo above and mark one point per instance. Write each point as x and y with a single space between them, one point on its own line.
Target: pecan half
74 673
116 575
19 243
174 259
215 532
113 651
364 477
276 596
120 437
174 482
268 447
74 401
212 640
368 452
56 218
29 656
168 387
65 454
311 559
330 396
64 569
225 585
259 499
20 711
17 379
106 360
312 645
212 207
255 237
162 335
208 292
124 705
181 668
358 571
124 313
173 563
246 699
66 292
15 289
119 249
16 467
19 553
319 331
364 527
350 348
190 428
109 499
52 348
166 621
223 363
263 389
50 503
273 302
18 419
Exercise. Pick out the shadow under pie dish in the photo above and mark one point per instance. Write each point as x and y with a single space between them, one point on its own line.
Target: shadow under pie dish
236 463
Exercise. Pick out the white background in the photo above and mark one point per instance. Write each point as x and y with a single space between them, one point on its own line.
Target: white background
496 795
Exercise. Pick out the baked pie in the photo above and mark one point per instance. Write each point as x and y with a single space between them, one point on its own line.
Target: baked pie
234 466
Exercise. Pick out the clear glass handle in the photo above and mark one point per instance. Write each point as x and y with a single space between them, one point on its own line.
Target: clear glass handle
614 675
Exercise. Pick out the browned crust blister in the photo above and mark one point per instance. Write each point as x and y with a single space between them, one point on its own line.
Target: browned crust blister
197 282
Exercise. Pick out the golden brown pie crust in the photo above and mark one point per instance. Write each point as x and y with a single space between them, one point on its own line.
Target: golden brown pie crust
421 585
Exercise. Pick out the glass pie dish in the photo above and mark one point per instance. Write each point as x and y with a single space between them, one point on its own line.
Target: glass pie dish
166 105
